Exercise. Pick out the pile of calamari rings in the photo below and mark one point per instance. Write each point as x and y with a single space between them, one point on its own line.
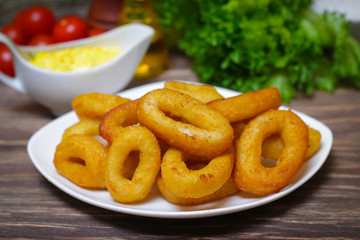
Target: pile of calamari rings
195 145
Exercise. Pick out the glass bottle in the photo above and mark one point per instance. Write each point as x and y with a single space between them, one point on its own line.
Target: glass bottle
155 60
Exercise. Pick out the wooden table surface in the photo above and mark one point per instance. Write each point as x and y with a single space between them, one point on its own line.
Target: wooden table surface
326 207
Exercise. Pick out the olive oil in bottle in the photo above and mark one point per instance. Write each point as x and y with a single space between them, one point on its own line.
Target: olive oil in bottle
155 60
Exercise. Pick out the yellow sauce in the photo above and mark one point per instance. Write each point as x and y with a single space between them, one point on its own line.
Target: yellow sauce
75 58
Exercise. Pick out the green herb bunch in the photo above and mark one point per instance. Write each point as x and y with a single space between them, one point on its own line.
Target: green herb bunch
248 45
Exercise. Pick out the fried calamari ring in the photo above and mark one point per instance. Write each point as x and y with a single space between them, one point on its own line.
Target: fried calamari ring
204 93
132 138
247 105
118 118
314 142
249 173
130 164
272 145
228 189
206 132
183 182
95 105
89 127
81 160
238 128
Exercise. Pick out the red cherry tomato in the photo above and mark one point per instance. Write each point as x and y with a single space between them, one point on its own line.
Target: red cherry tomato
19 18
41 40
6 61
95 31
37 20
70 28
15 34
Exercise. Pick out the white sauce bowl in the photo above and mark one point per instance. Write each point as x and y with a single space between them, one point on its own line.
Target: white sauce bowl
56 90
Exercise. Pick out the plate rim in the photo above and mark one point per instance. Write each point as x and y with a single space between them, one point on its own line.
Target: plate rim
123 208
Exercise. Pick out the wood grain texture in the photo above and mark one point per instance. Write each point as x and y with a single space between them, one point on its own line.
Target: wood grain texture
326 207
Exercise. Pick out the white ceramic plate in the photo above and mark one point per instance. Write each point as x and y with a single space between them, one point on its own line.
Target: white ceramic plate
42 144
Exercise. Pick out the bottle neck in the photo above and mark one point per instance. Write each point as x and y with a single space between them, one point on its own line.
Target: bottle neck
140 11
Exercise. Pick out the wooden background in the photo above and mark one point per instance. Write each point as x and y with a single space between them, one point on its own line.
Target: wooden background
325 207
